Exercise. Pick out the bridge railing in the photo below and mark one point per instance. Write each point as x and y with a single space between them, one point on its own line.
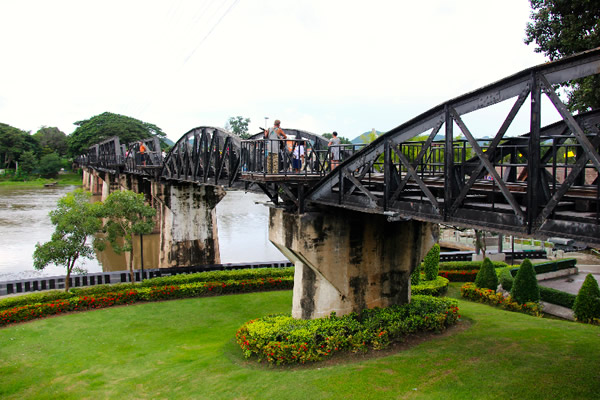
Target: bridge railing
316 161
137 162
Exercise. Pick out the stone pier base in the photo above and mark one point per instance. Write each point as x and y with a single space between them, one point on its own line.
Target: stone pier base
347 261
188 225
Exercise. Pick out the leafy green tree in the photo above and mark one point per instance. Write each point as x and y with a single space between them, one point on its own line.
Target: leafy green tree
50 164
486 277
13 142
561 28
76 220
587 303
239 126
28 161
343 140
525 286
125 215
431 264
53 139
106 125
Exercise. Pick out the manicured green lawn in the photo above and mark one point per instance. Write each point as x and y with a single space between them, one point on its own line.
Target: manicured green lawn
185 349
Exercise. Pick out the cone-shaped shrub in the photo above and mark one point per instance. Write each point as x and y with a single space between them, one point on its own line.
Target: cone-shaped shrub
486 277
587 302
432 263
415 277
525 286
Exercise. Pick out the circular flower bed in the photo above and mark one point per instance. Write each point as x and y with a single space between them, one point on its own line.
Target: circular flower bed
281 339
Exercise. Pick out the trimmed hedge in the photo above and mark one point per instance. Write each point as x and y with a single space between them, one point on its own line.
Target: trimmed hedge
468 265
547 294
488 296
549 266
557 297
239 274
281 339
436 287
195 289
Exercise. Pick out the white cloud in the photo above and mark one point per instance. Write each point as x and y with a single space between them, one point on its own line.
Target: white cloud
317 65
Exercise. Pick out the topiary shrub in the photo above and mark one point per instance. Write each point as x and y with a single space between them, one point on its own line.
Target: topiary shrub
415 277
506 279
525 286
486 277
432 263
587 302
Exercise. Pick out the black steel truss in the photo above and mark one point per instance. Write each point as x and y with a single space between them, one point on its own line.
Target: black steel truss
205 155
541 184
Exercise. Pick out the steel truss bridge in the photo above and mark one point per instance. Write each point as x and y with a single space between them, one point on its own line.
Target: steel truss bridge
543 183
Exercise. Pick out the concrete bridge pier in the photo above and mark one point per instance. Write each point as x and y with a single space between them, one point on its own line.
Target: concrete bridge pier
347 261
92 181
188 224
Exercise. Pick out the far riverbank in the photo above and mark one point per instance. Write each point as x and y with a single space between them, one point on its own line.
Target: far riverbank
65 179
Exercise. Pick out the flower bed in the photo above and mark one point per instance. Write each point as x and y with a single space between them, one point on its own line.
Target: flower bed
198 289
101 290
488 296
281 339
460 275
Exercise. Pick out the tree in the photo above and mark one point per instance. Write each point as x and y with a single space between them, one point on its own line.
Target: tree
75 220
343 140
239 126
50 164
525 286
431 264
106 125
28 161
486 277
13 142
562 28
53 139
125 215
587 303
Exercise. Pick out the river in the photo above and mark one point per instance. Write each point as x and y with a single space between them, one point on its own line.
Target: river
24 221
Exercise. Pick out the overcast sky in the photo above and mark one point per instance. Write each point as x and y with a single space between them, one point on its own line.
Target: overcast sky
317 65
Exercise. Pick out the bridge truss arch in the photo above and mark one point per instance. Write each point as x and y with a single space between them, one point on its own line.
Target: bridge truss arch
542 184
205 154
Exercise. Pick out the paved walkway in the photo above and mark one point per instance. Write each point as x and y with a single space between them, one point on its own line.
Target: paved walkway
572 283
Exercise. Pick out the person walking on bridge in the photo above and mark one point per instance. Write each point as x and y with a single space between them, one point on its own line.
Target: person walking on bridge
272 149
142 150
334 150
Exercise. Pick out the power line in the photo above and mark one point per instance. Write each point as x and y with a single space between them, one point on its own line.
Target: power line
209 32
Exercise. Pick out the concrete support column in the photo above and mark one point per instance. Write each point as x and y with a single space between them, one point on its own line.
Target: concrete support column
348 261
106 182
95 183
85 179
188 230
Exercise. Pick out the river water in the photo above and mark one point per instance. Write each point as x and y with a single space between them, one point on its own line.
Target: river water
24 221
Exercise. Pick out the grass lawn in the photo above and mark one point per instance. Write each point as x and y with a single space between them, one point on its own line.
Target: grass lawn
185 349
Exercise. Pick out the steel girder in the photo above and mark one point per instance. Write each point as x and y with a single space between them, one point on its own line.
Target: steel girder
206 155
444 181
